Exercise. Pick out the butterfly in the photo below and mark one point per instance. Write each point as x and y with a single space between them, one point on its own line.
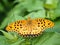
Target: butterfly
30 27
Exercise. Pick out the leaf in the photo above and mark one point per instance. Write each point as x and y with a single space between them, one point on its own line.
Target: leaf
57 10
17 10
38 14
1 7
32 5
51 4
54 13
9 19
18 41
48 38
9 35
3 40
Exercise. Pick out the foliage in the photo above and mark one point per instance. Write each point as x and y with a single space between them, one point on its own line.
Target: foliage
13 10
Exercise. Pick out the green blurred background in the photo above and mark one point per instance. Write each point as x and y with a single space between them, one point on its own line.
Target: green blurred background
13 10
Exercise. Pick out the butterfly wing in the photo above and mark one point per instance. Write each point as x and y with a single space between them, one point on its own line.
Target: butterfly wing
39 25
18 26
30 27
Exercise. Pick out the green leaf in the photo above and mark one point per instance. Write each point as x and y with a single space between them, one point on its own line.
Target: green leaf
51 4
38 14
1 7
54 13
51 14
3 40
32 5
17 10
9 35
48 38
9 19
57 10
19 41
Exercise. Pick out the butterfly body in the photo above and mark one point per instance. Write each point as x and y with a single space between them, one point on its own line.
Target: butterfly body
30 27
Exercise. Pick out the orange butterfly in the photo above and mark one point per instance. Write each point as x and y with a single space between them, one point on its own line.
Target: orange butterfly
30 27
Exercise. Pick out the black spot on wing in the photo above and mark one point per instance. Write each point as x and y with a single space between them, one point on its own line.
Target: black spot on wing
20 24
21 27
